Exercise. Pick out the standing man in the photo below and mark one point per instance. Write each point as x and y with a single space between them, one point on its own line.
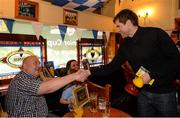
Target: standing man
178 76
25 94
153 49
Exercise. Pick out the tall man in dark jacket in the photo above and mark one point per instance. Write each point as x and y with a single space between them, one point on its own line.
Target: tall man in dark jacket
153 49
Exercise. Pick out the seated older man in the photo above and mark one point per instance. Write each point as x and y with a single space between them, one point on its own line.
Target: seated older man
25 94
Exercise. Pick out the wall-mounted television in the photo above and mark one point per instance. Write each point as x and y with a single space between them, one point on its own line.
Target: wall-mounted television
94 54
93 50
11 58
12 53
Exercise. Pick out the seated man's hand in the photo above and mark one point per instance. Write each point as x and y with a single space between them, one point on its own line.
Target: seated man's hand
82 75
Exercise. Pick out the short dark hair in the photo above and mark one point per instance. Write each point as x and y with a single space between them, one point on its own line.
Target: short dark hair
125 15
175 32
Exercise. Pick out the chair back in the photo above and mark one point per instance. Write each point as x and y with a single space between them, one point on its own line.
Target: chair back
103 91
129 75
60 72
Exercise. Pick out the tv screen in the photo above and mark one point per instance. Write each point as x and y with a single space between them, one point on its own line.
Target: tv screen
11 57
94 54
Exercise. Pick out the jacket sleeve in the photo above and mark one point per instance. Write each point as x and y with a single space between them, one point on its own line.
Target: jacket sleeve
171 55
114 65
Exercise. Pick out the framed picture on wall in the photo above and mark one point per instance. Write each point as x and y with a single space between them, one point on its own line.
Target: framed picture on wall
26 9
70 17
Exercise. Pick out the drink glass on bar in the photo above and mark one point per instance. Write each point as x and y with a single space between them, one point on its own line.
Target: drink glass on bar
107 109
93 101
101 104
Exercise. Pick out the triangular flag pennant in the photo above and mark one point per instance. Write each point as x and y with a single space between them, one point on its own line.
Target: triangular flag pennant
70 31
79 33
3 27
95 33
63 30
37 28
9 23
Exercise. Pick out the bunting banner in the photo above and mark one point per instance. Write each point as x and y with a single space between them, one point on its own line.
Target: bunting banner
9 23
80 5
37 26
3 27
95 32
79 33
62 29
70 31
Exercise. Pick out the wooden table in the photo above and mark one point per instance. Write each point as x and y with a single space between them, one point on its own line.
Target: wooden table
87 113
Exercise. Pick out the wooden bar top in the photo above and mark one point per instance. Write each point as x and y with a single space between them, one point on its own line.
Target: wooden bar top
87 113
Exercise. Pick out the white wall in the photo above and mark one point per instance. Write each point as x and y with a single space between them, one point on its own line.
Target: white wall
53 15
162 12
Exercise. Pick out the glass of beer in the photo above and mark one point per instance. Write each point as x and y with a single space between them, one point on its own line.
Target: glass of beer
101 104
107 109
93 101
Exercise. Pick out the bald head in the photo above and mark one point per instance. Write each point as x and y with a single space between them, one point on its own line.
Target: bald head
31 66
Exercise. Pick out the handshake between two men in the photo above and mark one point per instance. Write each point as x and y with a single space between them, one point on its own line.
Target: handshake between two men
51 84
81 75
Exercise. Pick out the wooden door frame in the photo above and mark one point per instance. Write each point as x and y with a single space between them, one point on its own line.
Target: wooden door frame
177 20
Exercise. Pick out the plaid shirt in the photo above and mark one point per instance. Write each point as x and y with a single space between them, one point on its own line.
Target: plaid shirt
22 99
